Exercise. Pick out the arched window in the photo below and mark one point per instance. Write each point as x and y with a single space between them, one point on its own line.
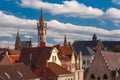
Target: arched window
92 77
105 77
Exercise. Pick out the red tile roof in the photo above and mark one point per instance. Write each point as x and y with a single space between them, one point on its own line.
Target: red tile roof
14 52
39 55
1 52
64 52
13 58
15 72
112 59
54 70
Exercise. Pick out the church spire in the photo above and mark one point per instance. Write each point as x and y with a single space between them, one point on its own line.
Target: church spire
65 41
17 42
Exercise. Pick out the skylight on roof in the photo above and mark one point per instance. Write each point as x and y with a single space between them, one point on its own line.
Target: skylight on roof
6 74
20 74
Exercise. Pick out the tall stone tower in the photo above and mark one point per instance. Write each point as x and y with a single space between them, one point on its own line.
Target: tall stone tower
41 27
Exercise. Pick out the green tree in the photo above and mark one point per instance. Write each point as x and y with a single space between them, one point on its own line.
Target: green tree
116 48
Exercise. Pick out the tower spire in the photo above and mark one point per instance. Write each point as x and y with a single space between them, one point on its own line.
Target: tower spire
41 16
18 35
65 40
41 27
17 42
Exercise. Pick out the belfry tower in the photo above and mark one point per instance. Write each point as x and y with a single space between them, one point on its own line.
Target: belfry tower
41 27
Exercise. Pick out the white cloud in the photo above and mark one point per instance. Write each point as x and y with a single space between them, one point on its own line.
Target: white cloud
28 36
113 13
55 30
116 1
74 9
68 8
9 25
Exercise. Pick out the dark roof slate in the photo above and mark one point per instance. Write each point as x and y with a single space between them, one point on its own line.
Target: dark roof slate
82 46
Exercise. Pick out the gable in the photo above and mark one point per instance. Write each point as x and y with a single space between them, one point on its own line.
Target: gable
54 57
98 67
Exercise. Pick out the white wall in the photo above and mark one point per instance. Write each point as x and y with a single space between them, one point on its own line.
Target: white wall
54 54
67 77
86 58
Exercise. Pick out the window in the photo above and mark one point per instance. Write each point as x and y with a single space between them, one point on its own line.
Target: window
105 77
88 62
92 77
53 58
84 62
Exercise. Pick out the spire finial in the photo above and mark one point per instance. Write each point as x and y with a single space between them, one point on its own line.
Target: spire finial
18 35
41 15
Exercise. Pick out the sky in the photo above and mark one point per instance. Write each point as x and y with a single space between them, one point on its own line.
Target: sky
77 19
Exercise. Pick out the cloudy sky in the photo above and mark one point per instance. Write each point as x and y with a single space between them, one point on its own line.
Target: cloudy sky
78 19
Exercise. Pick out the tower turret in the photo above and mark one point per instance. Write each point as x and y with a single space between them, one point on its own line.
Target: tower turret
94 38
41 27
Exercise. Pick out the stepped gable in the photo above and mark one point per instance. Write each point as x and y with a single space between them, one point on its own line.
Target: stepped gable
112 60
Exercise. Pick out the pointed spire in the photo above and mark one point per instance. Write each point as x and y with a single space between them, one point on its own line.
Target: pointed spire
18 35
17 42
65 41
41 16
